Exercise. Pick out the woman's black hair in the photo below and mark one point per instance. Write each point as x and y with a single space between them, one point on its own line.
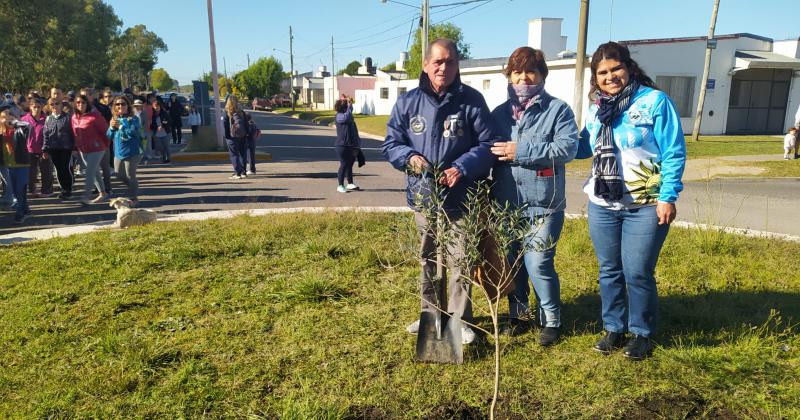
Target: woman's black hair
341 106
85 100
615 51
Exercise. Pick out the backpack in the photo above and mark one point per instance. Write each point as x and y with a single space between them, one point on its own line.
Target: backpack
238 127
253 129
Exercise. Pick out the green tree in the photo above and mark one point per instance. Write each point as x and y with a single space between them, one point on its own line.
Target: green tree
262 78
442 30
160 80
134 53
389 67
55 43
351 68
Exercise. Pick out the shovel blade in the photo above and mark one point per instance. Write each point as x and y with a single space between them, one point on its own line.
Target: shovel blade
439 339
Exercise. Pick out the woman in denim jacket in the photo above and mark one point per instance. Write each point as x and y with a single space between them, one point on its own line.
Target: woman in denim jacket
634 135
530 173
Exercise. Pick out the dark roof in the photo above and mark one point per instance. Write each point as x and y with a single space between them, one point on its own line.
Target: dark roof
694 38
482 62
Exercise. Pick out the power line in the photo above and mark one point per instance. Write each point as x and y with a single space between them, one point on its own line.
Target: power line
373 35
465 11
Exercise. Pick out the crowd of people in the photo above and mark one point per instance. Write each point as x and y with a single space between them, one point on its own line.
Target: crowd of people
81 134
634 137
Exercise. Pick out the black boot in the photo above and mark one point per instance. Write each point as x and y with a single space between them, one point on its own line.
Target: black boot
610 342
638 348
515 327
549 336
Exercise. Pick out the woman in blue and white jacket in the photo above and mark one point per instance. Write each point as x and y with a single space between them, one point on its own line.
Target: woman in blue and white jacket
530 172
634 135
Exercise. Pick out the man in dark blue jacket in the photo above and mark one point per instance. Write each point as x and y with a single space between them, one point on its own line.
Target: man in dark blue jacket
443 124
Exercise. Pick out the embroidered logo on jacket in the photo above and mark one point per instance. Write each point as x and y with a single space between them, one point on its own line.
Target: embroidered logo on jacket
417 124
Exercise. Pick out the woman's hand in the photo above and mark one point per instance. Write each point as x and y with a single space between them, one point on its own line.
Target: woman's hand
666 212
504 150
114 122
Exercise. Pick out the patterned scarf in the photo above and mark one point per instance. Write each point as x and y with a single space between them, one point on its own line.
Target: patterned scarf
522 97
607 178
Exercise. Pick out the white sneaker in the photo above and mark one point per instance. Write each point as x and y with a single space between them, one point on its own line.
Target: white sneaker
341 189
234 176
413 327
250 173
351 187
467 335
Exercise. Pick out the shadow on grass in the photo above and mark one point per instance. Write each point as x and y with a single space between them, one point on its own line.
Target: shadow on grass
699 316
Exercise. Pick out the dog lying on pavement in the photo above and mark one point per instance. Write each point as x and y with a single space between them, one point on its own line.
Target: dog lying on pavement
127 216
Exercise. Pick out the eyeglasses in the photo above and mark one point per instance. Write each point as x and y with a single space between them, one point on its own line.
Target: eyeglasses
79 102
120 104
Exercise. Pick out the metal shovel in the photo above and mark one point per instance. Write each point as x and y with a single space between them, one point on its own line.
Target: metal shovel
439 335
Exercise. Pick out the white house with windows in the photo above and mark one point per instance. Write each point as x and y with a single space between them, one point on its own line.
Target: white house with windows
753 87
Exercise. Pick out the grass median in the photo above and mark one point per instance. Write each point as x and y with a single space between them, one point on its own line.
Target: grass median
298 316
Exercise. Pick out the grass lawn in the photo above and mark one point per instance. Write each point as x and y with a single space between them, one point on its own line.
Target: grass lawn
711 146
778 168
295 316
372 124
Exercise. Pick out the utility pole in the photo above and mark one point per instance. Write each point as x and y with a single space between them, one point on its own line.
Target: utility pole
333 75
248 60
215 82
291 69
698 117
580 62
225 67
425 24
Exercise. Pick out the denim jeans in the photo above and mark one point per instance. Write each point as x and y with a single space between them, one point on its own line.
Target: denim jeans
540 266
627 244
19 185
126 172
237 149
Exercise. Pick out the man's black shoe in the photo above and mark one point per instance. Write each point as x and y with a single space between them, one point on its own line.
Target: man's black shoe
515 327
610 342
638 348
549 336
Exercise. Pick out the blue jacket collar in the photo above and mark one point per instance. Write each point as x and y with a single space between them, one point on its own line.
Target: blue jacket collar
425 85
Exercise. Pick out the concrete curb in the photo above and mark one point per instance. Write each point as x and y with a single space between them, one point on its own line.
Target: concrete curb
42 234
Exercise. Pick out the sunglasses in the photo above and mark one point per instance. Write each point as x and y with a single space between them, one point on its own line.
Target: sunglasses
120 104
79 102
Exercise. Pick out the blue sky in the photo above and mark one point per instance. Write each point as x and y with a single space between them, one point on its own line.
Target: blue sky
363 28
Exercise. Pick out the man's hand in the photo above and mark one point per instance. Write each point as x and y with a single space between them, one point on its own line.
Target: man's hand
666 212
450 177
504 150
418 164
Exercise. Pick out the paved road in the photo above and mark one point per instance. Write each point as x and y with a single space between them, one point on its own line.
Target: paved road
302 173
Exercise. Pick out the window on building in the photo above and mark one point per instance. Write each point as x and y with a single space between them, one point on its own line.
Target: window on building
486 84
681 90
401 90
384 93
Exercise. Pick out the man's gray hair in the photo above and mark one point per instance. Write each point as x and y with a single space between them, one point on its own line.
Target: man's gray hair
444 43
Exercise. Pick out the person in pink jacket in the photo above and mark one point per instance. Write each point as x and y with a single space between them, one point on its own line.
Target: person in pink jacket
40 162
90 129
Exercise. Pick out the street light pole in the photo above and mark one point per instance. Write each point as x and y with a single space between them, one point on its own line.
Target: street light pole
425 23
215 82
580 62
291 69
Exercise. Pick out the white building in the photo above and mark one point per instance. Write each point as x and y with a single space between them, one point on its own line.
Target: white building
753 88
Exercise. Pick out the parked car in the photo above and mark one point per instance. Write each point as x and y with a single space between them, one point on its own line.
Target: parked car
263 104
281 100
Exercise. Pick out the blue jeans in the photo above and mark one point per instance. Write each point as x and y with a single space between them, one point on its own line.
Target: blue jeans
540 266
237 148
627 244
19 186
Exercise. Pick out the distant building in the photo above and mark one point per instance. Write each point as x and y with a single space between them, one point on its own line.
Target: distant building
753 87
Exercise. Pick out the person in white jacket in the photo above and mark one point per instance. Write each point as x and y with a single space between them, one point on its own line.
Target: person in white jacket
790 144
194 120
